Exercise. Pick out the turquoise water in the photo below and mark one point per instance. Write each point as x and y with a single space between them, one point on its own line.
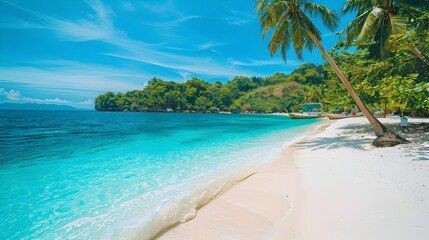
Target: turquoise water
101 175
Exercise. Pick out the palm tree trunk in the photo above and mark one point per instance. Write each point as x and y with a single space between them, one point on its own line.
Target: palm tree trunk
419 54
385 137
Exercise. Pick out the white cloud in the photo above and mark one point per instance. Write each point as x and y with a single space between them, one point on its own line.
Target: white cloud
208 45
11 94
197 47
74 76
87 102
15 96
173 22
99 26
253 62
237 21
45 101
200 66
240 18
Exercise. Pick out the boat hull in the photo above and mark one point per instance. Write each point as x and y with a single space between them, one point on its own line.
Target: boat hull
301 116
339 116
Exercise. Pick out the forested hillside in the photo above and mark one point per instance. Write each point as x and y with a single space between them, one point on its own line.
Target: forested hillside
392 84
253 94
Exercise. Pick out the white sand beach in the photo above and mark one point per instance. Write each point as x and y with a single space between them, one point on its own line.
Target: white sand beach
329 185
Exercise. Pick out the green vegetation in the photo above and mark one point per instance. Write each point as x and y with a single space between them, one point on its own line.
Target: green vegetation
387 66
291 24
404 87
252 94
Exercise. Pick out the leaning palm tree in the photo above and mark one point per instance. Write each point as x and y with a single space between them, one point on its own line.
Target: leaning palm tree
291 25
377 20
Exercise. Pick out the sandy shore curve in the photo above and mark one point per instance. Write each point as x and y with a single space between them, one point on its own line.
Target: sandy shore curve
331 184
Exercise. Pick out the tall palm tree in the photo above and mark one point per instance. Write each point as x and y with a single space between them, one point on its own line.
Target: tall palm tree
291 25
377 20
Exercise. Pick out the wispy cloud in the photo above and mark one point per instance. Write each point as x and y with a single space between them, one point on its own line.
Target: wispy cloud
172 23
197 47
237 17
208 45
232 11
201 66
56 100
63 75
10 95
15 96
99 27
237 21
87 102
253 62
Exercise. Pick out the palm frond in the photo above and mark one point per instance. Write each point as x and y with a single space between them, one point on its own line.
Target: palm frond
358 6
289 24
397 24
422 4
280 38
370 26
297 35
309 26
353 30
330 19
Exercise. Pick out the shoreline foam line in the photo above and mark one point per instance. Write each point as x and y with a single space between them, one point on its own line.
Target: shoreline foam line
188 207
228 215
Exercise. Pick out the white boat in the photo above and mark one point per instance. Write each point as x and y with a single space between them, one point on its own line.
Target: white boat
310 110
306 115
341 116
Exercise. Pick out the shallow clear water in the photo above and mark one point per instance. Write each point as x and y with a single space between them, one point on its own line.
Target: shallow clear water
90 175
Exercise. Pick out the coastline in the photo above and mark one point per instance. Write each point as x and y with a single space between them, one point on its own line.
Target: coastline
260 151
330 184
232 206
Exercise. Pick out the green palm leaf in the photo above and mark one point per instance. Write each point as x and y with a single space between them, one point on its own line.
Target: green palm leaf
289 22
330 19
370 26
382 19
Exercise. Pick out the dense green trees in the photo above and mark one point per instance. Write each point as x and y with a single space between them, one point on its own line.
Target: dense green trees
193 95
253 94
397 83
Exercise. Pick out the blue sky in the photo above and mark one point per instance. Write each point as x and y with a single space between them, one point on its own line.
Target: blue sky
69 51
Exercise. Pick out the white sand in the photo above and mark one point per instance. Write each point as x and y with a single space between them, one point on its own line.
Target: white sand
331 185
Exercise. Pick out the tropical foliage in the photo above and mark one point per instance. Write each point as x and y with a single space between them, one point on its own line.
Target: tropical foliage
399 81
377 20
252 94
399 90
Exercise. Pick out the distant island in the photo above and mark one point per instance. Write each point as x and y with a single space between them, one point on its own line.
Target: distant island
35 106
277 93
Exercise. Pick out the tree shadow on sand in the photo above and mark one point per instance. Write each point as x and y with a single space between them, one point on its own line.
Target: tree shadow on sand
332 143
361 136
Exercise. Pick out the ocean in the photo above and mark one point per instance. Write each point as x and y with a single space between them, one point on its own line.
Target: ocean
115 175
